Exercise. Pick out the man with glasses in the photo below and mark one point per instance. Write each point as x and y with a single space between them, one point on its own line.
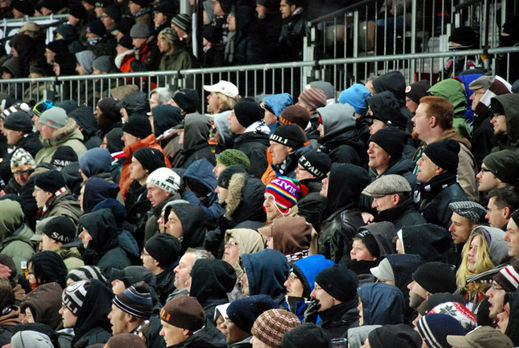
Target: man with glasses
506 280
499 169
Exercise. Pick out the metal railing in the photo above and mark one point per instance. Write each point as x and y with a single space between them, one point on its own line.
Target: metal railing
253 79
9 27
405 26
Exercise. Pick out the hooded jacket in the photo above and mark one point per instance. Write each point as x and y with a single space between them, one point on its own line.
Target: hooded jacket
431 242
393 82
293 237
244 209
95 162
8 324
15 235
383 232
341 139
202 171
382 304
453 91
433 198
312 205
92 324
267 271
193 223
512 330
288 166
45 302
510 104
65 204
103 250
342 217
254 144
196 135
403 214
211 281
249 241
68 135
86 120
97 190
276 104
149 141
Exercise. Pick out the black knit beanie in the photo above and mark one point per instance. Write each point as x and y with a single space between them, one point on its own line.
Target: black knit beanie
150 158
289 135
63 156
187 100
164 248
243 312
391 140
227 173
317 163
338 281
48 267
19 121
138 126
417 90
50 181
248 111
444 154
399 335
307 335
436 277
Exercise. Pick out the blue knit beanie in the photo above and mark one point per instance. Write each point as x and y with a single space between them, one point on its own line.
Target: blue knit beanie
356 96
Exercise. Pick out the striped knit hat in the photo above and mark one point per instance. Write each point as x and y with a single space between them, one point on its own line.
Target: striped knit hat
285 192
434 329
135 300
271 325
74 295
508 278
86 273
313 98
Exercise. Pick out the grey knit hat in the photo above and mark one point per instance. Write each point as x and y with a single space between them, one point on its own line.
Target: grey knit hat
140 30
387 185
103 63
469 210
170 34
55 117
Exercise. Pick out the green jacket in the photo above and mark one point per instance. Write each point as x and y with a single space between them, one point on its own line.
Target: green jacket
15 235
454 91
180 59
68 135
71 257
65 204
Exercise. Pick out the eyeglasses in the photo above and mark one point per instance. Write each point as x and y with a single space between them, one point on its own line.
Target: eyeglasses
496 286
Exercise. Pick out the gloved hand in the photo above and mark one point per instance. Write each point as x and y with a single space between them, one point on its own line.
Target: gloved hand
311 314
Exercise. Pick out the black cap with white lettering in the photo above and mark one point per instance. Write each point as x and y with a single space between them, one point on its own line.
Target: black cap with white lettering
289 135
317 163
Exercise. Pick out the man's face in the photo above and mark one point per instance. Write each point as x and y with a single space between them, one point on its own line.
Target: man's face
378 158
496 298
172 335
41 196
476 97
129 139
270 207
134 8
163 44
156 195
233 333
426 169
375 126
137 172
324 188
320 129
148 261
411 105
460 228
49 56
183 270
118 320
46 132
496 216
234 125
218 169
159 18
286 9
222 194
12 136
499 124
487 180
68 318
213 103
302 173
138 42
294 285
416 294
360 252
261 11
279 152
174 225
108 21
512 239
325 300
22 176
154 100
47 243
420 121
384 203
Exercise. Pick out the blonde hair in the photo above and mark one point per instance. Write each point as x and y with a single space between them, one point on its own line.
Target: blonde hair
228 102
483 263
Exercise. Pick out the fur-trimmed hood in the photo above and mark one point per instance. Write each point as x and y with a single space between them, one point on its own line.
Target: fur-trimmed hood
243 188
68 132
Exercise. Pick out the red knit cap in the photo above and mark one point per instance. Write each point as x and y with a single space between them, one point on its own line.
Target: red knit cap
313 98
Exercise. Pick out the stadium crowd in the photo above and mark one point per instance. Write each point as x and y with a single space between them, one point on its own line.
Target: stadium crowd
381 215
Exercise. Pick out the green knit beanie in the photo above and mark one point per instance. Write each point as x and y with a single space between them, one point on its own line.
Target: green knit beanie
231 157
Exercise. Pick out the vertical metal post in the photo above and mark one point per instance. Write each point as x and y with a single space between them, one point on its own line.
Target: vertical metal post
185 7
412 66
355 41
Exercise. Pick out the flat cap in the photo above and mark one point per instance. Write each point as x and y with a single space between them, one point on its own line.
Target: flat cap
387 185
481 82
473 211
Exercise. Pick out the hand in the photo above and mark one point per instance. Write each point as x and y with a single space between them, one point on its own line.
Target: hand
367 218
311 312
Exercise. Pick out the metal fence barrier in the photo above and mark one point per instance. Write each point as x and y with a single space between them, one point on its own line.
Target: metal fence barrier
253 80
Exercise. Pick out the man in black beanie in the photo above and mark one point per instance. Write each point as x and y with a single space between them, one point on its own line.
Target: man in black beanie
251 134
54 198
307 335
18 131
438 186
431 278
160 255
398 335
287 144
335 298
312 167
385 154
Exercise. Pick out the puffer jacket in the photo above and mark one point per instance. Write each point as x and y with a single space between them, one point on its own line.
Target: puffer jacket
68 135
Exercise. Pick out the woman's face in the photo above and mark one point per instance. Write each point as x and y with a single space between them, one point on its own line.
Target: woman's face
475 244
231 254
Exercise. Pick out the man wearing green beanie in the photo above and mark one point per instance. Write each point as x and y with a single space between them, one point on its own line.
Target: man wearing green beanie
499 169
231 157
